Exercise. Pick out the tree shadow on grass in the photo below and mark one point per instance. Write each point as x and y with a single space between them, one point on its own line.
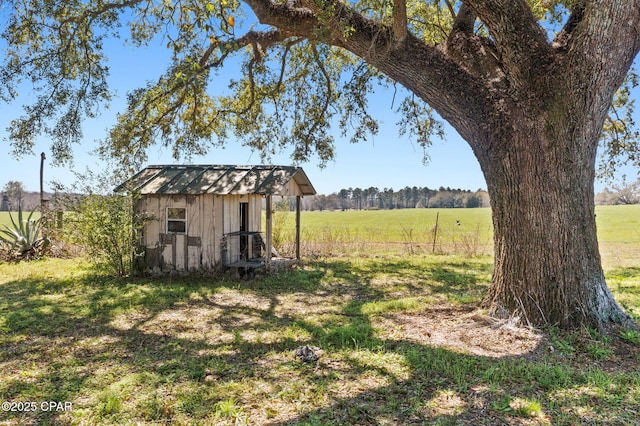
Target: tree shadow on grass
625 283
222 352
449 275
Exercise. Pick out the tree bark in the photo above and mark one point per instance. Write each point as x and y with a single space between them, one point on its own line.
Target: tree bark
547 267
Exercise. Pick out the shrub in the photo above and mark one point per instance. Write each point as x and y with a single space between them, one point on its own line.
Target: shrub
107 227
23 239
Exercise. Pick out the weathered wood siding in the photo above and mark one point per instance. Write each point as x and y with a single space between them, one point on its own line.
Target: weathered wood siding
195 249
208 217
291 188
232 220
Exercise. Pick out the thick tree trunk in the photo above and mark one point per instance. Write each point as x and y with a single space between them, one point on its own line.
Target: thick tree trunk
547 263
532 111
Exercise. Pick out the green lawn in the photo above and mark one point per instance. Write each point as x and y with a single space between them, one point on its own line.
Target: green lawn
6 220
394 225
402 345
402 340
618 224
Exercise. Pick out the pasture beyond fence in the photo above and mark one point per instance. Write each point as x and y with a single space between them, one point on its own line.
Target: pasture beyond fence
410 231
335 241
466 232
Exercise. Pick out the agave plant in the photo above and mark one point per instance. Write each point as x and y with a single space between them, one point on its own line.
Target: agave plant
23 239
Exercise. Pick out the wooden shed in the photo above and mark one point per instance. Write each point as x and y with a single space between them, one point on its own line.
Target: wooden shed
204 217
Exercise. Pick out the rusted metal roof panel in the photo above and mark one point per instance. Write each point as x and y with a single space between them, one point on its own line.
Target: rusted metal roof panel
250 182
219 179
205 183
181 182
161 178
275 181
139 180
229 180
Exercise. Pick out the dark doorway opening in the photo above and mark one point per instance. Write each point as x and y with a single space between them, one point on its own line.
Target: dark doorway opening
244 227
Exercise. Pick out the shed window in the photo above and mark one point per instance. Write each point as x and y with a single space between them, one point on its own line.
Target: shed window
177 220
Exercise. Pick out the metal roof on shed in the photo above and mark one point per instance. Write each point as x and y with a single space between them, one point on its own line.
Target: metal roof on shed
218 179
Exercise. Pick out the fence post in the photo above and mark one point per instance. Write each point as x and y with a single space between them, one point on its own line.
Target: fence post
435 233
297 227
269 232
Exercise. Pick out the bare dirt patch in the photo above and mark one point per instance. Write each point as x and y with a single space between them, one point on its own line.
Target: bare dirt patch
463 330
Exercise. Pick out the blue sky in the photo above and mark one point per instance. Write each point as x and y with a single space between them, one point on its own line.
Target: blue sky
386 160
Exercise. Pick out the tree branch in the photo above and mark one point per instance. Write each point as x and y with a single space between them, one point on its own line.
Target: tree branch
451 8
283 62
520 41
264 39
475 53
329 93
301 21
562 39
424 69
106 7
604 24
595 29
464 20
399 21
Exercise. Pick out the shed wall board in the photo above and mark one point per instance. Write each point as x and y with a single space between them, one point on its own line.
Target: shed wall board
218 220
207 251
152 231
231 224
209 217
194 250
291 188
232 212
178 253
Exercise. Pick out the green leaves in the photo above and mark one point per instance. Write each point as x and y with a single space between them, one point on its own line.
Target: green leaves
107 227
23 239
58 49
287 92
620 139
419 123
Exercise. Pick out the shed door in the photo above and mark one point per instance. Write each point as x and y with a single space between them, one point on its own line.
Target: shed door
244 227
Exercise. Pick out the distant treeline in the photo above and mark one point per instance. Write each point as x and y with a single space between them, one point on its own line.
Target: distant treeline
13 194
28 200
345 199
388 198
620 193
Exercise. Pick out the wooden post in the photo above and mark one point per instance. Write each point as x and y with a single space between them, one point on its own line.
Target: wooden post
43 209
42 158
297 227
269 233
435 232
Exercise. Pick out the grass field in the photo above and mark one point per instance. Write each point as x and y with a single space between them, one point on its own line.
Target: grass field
460 231
402 345
6 220
403 342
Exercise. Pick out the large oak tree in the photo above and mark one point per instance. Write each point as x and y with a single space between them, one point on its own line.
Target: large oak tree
528 84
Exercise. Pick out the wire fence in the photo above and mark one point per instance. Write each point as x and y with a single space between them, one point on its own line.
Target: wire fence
345 241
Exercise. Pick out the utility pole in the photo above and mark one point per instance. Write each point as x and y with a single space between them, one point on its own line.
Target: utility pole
42 206
42 158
